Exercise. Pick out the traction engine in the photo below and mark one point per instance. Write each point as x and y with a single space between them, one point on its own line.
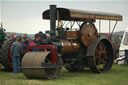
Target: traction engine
74 49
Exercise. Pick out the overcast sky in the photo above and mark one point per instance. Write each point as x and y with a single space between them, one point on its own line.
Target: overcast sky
25 16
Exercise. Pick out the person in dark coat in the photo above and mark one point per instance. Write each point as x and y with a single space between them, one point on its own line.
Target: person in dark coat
42 35
16 51
23 49
40 38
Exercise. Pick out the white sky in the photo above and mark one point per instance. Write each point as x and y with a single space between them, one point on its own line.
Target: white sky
25 16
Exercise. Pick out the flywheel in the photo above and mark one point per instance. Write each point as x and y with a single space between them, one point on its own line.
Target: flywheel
88 33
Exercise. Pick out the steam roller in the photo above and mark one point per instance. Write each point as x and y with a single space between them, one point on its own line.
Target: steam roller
73 49
33 61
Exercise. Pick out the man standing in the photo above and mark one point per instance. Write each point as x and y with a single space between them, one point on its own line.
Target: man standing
16 50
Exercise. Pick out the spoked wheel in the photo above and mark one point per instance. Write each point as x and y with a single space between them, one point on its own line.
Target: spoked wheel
100 55
31 65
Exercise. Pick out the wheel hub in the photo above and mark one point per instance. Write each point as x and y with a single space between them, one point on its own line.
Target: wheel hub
102 55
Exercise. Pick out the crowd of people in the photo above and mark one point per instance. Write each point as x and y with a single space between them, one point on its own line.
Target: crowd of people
19 46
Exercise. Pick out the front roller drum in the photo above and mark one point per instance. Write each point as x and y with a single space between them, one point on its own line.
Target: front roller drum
31 65
100 55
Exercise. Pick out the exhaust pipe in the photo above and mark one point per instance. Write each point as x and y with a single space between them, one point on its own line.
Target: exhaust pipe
53 15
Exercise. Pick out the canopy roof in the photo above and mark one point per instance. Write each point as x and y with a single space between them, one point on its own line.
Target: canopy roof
81 15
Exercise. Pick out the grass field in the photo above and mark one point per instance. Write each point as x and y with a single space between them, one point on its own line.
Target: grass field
118 75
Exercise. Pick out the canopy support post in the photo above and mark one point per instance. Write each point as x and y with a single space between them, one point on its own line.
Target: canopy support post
99 25
109 27
113 28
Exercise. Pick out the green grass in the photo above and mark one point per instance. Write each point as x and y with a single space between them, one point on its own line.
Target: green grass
118 75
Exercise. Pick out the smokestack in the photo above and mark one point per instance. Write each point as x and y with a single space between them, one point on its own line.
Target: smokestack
53 16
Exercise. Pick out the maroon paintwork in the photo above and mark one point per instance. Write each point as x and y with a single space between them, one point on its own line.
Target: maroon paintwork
53 49
9 54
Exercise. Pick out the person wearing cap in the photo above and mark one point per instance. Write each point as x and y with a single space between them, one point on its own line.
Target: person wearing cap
40 38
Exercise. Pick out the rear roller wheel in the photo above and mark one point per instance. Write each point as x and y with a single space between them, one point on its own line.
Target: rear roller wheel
33 61
1 42
6 58
100 55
